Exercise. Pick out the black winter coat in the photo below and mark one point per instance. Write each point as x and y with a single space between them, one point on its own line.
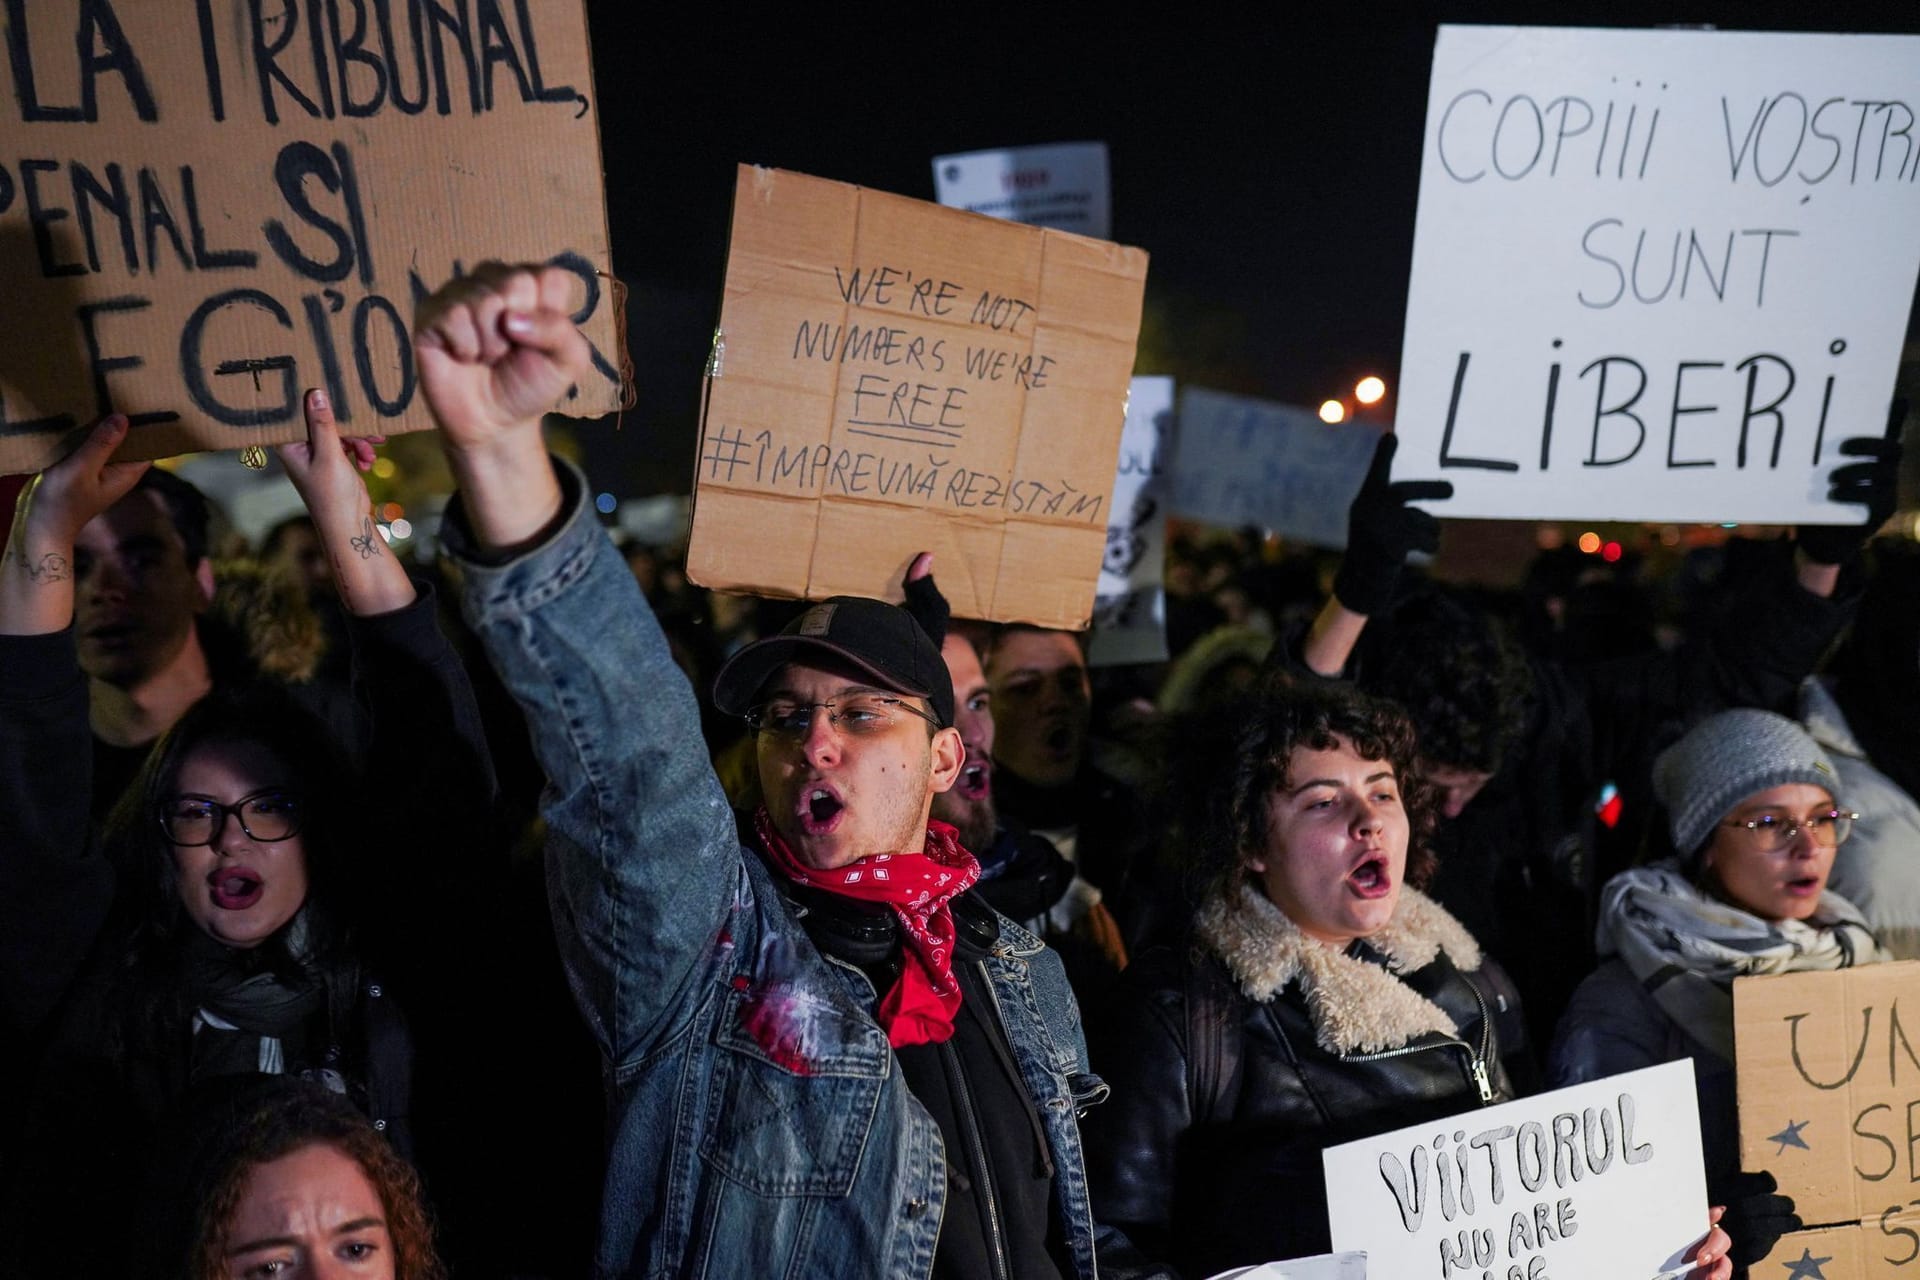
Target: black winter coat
1208 1152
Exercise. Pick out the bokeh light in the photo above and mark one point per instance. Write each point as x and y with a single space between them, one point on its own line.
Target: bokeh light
1369 390
1332 411
1589 542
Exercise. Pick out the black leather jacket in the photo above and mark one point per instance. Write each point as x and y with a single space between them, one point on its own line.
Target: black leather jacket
1208 1152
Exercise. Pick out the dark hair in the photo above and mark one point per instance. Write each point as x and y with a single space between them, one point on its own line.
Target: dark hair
1463 680
275 1116
280 532
1004 630
150 983
1287 718
186 507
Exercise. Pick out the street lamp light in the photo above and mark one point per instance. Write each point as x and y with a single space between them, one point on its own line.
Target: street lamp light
1369 390
1332 411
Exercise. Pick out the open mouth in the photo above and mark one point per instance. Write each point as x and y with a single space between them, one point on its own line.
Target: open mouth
1372 879
1804 887
820 810
975 782
236 888
1060 741
110 634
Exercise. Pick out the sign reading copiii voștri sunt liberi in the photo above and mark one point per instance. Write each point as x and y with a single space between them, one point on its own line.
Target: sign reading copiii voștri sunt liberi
1658 274
1600 1181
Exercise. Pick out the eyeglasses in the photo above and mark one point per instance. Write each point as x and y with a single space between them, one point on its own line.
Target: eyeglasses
1771 834
862 714
265 816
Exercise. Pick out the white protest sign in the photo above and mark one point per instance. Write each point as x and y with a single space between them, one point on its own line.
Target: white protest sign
1658 275
1326 1266
1600 1181
1063 185
1130 601
1241 461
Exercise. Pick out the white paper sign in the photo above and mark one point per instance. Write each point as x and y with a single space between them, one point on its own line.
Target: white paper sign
1241 461
1601 1181
1327 1266
1130 601
1063 185
1658 275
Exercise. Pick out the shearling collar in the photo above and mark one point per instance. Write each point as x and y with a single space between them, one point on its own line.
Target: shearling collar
1356 1006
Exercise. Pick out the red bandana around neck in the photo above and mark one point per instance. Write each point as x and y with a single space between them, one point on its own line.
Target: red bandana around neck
919 1008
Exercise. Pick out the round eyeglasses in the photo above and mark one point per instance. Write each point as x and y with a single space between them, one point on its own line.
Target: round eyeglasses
856 715
265 816
1771 833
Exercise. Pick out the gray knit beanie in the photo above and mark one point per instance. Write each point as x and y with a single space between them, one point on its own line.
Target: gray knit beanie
1728 757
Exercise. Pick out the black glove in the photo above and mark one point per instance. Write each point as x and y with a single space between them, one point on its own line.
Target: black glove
1757 1215
928 607
1382 529
1875 484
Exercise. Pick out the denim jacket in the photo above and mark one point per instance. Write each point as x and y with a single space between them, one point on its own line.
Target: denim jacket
758 1123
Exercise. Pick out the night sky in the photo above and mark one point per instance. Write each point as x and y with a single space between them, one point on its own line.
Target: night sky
1269 164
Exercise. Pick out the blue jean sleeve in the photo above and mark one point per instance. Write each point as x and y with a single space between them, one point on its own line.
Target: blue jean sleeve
643 863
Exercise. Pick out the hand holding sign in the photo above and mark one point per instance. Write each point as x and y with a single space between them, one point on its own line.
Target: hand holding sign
1875 484
1755 1214
497 351
1383 529
325 470
36 573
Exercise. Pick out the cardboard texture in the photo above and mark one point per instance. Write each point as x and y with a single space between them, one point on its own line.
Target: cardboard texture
1657 274
1829 1079
1597 1181
205 209
893 377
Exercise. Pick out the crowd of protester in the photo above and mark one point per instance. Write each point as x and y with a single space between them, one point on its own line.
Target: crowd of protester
534 912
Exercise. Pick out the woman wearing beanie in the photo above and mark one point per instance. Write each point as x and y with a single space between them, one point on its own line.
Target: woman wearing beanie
1754 812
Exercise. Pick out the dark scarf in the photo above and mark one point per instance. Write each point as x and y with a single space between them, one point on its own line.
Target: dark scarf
249 1018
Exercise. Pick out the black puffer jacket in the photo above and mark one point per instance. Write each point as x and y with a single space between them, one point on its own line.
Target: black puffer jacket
1237 1059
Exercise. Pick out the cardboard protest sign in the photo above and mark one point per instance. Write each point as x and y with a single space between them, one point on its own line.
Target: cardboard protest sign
1242 461
206 208
1130 602
1829 1086
1658 275
1600 1181
892 377
1063 186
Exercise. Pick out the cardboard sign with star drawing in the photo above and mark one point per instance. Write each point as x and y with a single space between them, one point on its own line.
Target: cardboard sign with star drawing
1829 1085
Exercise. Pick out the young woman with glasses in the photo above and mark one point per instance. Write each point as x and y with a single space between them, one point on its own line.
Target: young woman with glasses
255 901
1756 814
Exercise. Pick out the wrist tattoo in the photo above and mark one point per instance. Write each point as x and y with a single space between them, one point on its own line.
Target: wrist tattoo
367 542
51 567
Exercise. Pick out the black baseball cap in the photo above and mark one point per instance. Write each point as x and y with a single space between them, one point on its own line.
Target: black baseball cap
882 640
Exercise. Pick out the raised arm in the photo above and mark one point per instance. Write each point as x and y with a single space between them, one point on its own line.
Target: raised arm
36 572
325 470
1382 530
642 860
55 888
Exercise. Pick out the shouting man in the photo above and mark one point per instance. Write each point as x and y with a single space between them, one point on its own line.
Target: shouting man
826 1056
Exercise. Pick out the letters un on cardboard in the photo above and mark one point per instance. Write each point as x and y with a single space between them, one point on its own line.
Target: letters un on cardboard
1829 1082
892 377
219 205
